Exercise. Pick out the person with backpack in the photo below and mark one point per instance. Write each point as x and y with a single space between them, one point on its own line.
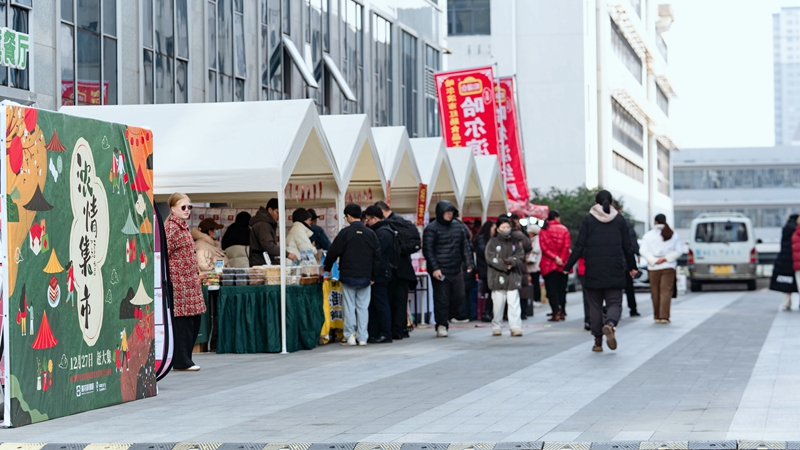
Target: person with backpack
503 256
380 316
602 238
404 277
446 249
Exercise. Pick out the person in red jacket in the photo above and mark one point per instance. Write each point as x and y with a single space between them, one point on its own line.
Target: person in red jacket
555 242
796 251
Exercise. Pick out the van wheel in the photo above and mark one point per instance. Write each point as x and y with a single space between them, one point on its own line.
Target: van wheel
696 286
751 285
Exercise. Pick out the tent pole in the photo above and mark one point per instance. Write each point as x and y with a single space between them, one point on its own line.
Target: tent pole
282 228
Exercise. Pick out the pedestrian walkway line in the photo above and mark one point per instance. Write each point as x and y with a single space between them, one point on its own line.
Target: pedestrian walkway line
770 405
528 404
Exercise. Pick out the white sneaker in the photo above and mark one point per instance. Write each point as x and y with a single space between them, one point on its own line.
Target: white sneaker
441 331
787 304
350 341
362 343
459 320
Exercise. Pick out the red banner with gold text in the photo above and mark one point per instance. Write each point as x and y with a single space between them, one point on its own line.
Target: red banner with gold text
467 109
511 142
422 197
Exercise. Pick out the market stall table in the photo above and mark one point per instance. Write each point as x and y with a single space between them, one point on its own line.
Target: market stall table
248 318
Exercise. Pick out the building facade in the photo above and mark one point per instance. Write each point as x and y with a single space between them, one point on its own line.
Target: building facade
786 51
592 85
375 57
761 183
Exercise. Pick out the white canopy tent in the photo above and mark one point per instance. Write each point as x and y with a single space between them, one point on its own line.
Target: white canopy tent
467 182
434 168
492 190
400 169
238 153
356 155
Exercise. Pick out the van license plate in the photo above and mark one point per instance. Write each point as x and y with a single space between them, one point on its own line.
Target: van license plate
722 270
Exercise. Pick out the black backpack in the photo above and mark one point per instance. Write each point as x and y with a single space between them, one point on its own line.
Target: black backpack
407 235
394 258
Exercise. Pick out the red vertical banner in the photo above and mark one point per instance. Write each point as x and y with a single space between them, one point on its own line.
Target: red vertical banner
422 197
467 109
511 142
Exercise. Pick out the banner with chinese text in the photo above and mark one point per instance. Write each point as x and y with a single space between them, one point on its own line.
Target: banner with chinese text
467 109
78 232
511 141
422 199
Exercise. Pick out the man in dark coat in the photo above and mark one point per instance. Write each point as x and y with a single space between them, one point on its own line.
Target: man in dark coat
319 238
461 314
380 315
405 278
783 279
263 232
445 246
603 240
630 292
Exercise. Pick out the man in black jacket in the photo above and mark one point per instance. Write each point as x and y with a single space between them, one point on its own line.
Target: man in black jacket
604 241
263 232
630 292
445 246
404 276
380 316
358 251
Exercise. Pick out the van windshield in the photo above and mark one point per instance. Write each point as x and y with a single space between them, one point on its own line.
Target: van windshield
710 232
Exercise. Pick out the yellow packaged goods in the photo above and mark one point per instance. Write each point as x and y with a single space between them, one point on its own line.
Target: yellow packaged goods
273 271
272 280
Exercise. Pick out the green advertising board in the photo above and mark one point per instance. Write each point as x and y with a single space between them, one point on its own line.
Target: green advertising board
78 275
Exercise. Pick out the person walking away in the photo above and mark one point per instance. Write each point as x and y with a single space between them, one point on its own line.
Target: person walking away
380 315
783 279
263 232
486 233
503 256
521 236
555 242
236 241
533 259
661 247
358 251
630 292
796 252
602 238
461 313
319 239
187 296
298 239
405 278
445 247
205 238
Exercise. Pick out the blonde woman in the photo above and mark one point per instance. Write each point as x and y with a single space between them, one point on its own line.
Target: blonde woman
184 273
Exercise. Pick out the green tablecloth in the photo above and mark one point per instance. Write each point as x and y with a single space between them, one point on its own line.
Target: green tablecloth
205 321
249 318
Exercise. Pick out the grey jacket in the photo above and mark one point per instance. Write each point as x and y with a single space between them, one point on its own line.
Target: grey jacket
500 254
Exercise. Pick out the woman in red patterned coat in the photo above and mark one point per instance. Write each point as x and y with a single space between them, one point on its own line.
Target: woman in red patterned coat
555 242
185 276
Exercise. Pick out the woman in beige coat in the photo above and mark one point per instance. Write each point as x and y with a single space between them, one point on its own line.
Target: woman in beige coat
205 241
298 239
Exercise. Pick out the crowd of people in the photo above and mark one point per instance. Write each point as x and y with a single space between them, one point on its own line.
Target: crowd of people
492 276
786 271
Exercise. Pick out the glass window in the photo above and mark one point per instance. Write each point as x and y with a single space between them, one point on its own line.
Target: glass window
89 52
316 23
774 217
432 126
637 6
67 55
662 164
353 55
628 168
720 232
408 83
166 51
227 65
382 103
16 17
662 100
626 129
625 52
272 52
468 17
745 178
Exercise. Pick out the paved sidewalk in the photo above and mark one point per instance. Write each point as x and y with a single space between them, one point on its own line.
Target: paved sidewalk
726 368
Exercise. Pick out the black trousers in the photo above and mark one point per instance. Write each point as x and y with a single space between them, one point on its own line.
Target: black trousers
448 296
380 316
398 304
630 292
185 331
537 289
586 313
556 285
613 303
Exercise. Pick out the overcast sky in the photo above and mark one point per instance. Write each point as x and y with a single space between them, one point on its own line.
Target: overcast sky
720 64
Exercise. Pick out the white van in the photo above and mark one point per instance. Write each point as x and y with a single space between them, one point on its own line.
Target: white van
722 248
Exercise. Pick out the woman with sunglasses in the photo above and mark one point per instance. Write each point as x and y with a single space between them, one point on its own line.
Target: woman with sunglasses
184 273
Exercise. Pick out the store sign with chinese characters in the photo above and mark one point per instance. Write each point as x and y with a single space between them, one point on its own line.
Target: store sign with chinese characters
511 142
467 109
14 48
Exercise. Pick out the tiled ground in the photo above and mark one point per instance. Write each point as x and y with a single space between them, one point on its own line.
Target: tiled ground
728 367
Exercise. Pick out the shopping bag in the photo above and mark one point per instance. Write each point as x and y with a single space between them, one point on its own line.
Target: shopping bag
333 326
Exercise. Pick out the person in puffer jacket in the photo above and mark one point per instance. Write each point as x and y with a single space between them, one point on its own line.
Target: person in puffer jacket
445 246
205 241
503 256
555 242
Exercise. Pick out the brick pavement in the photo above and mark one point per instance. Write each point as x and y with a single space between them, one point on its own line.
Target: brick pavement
727 358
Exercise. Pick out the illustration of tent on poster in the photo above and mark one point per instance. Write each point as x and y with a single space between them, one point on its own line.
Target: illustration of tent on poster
62 226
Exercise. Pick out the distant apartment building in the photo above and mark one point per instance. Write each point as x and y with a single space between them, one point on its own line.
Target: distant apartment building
786 50
593 89
762 183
